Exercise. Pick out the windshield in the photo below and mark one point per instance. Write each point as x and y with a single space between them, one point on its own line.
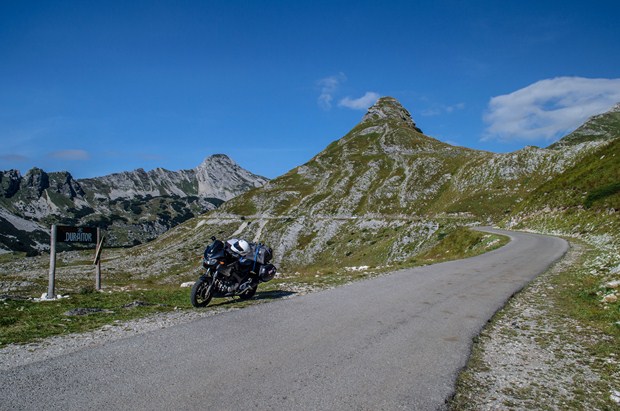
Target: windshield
215 250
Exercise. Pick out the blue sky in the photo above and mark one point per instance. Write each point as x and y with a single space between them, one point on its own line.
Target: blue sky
101 87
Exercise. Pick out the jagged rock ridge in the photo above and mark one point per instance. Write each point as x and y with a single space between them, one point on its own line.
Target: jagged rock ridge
216 177
134 206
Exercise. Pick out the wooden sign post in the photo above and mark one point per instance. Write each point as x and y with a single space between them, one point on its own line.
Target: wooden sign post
52 278
65 234
97 261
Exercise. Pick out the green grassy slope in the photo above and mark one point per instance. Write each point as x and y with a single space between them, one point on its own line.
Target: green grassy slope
378 196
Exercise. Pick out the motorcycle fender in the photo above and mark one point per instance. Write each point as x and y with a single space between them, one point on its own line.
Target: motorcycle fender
206 276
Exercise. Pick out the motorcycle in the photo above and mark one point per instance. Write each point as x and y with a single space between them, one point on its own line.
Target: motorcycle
232 271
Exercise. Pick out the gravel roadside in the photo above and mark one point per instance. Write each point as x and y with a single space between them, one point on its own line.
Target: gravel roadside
528 357
15 355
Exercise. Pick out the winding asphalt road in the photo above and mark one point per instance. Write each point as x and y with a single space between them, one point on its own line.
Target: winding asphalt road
393 342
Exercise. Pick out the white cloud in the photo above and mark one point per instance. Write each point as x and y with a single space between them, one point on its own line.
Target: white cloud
70 155
329 85
361 103
549 108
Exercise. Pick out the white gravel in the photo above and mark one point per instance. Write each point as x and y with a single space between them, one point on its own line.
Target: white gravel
15 355
528 358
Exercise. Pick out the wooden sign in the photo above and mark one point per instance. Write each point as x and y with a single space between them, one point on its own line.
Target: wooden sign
66 234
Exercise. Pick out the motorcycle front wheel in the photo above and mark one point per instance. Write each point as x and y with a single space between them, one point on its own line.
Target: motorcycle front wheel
201 295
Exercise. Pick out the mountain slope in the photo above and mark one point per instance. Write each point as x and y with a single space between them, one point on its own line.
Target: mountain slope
133 206
601 127
380 195
585 198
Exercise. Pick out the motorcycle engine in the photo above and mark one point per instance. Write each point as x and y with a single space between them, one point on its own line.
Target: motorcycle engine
225 286
226 271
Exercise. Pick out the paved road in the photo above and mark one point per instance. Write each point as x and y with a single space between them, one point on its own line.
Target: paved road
394 342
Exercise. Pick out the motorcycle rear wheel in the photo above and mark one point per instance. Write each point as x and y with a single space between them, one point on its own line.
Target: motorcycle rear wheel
199 296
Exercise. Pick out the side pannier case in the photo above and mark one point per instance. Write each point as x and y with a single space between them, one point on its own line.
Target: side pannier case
267 272
261 253
266 254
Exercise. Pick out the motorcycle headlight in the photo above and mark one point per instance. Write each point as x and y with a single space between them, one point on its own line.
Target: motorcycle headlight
212 261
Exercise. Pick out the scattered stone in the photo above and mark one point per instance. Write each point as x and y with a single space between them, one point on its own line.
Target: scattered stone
188 284
86 311
44 297
613 284
137 303
14 285
610 298
360 268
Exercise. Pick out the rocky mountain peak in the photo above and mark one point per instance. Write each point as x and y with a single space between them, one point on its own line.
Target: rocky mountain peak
9 183
388 108
231 178
217 160
36 180
598 128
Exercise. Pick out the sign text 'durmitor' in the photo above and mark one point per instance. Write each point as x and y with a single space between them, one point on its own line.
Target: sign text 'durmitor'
67 234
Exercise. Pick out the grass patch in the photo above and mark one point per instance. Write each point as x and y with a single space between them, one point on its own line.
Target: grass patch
461 243
579 292
12 256
26 320
601 193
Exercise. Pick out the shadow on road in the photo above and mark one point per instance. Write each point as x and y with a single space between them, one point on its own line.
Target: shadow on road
260 295
272 295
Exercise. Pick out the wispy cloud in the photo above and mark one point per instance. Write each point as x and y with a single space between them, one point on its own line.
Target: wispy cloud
548 109
72 155
14 158
361 103
439 109
329 86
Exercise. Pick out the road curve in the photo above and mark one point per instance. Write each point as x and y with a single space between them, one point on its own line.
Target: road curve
393 342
